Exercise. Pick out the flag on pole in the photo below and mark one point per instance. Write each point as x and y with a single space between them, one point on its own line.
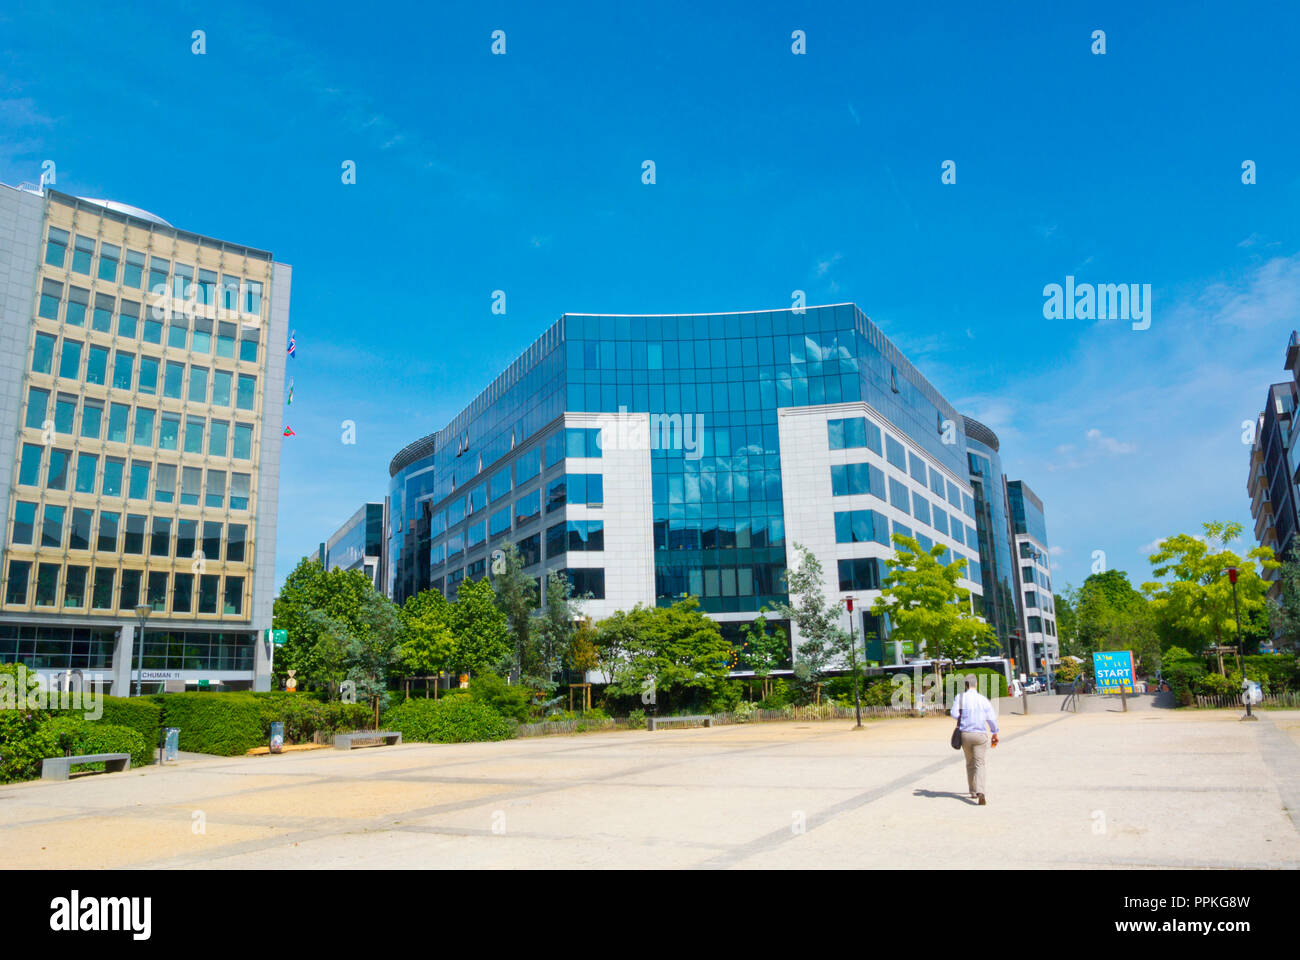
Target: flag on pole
293 344
288 431
291 391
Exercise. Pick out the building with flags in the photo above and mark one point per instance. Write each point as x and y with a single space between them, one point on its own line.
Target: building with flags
140 454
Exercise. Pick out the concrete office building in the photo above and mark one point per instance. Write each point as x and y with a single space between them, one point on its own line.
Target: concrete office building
359 545
141 381
651 457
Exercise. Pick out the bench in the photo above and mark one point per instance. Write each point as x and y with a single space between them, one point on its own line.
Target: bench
346 741
653 722
59 768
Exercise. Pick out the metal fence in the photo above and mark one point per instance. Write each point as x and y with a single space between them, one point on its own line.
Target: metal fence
811 712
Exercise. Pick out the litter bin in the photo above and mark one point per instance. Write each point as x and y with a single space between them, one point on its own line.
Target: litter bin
171 744
277 736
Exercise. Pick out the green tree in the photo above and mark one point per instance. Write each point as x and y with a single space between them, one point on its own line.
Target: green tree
516 598
428 643
671 653
1194 606
925 606
554 629
481 629
1284 613
821 638
374 650
765 650
337 596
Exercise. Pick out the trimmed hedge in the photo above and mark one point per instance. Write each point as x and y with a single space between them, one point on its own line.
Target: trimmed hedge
225 724
138 713
70 733
231 724
449 720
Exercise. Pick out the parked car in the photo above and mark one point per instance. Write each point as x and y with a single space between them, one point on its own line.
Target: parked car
1034 685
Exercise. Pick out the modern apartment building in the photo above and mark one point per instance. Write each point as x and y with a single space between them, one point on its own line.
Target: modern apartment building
359 545
1273 474
141 382
1033 576
651 457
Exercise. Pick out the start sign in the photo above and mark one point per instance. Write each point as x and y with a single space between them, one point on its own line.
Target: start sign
1114 671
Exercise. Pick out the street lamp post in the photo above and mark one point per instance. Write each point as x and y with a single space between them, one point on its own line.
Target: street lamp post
853 663
1236 614
142 612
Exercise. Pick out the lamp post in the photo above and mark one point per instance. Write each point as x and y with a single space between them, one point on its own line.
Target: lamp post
1236 614
142 612
853 663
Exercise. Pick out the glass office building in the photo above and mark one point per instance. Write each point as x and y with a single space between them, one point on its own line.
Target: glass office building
651 457
359 545
1034 574
1001 597
141 374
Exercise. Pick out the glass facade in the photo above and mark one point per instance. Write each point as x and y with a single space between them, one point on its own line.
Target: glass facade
717 501
1001 597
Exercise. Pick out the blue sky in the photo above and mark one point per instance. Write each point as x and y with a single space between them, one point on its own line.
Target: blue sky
775 172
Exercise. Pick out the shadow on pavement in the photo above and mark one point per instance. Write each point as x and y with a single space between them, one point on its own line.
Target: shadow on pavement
940 794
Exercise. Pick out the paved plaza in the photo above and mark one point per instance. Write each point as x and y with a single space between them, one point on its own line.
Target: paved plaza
1100 788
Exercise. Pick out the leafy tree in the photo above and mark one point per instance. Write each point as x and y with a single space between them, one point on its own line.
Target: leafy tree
675 651
480 627
374 650
1067 620
553 631
1284 613
1194 606
923 602
822 641
338 596
614 639
764 650
516 597
428 644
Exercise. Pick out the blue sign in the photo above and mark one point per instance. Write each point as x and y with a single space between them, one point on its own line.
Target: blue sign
1114 671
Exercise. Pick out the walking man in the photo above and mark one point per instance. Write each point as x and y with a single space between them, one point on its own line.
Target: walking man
975 718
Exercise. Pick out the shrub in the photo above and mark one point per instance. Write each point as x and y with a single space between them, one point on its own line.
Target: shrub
449 720
72 734
727 697
225 724
745 711
1183 676
490 690
778 697
22 745
1067 670
636 720
139 714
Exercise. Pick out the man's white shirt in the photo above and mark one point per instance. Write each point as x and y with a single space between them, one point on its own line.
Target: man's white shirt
975 711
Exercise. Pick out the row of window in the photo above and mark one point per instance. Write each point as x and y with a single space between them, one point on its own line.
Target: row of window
1042 625
225 384
572 442
726 533
569 488
587 582
1033 575
164 591
860 433
199 334
144 477
74 528
221 442
129 265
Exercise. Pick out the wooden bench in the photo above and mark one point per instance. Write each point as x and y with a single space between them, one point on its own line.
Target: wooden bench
346 741
59 768
703 720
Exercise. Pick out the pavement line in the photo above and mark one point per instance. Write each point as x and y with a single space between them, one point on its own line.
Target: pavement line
1282 754
773 839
